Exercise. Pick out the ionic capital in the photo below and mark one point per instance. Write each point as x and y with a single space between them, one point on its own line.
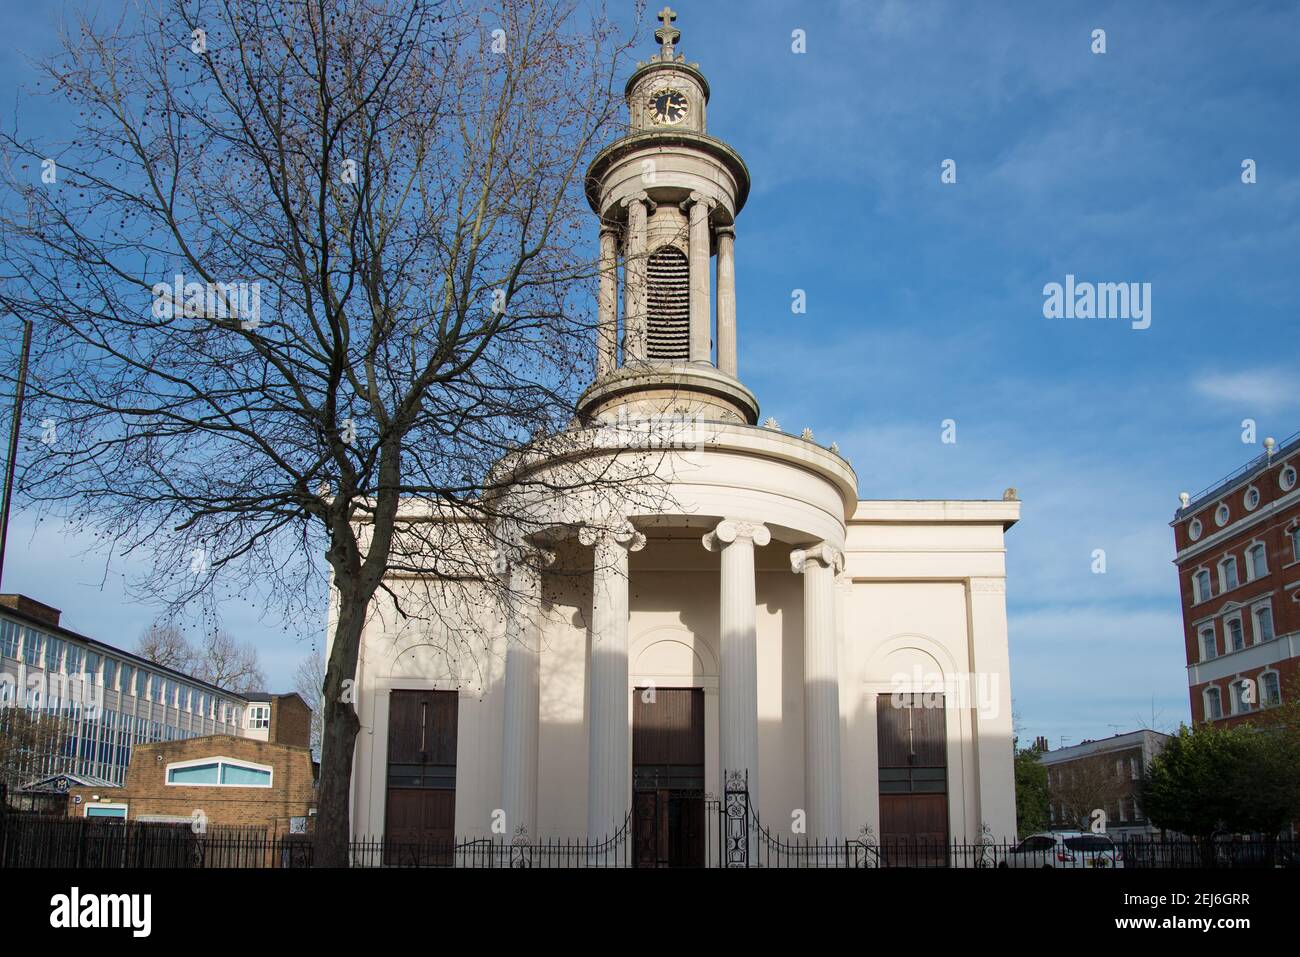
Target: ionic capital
624 536
642 197
823 554
697 199
732 529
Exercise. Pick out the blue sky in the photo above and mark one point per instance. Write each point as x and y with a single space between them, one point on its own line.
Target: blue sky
924 300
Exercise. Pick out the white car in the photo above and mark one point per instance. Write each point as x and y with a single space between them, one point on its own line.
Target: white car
1065 849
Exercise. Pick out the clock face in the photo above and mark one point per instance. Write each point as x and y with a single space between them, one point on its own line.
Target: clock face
668 107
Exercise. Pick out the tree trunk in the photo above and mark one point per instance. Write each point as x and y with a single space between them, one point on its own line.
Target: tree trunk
333 825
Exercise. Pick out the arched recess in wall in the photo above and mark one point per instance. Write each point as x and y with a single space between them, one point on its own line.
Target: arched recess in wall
669 654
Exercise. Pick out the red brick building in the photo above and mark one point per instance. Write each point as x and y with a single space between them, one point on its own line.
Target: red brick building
1238 558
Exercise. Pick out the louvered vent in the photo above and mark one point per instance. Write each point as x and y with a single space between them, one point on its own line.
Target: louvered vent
668 305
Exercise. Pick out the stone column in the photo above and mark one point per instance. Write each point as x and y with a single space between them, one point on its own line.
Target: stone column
821 689
635 271
607 329
701 344
608 762
738 681
519 746
726 299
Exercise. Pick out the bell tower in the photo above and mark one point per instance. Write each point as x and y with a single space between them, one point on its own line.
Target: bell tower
667 195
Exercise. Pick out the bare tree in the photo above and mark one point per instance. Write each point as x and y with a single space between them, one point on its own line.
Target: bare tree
166 645
308 681
226 663
304 271
28 740
1085 786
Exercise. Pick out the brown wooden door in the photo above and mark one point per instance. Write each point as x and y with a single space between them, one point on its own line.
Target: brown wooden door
912 743
420 816
668 777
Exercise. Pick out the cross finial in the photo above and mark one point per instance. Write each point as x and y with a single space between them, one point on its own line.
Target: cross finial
667 35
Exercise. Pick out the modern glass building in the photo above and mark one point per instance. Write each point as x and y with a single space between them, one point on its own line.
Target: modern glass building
107 700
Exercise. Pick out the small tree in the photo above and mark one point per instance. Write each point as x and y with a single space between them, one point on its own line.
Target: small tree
308 681
27 740
1032 793
1085 786
1214 778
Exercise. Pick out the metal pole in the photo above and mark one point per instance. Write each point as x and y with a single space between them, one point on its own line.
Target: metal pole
13 441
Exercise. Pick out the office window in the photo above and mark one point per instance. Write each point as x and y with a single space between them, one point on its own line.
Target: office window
1209 648
1213 704
141 683
72 659
110 674
9 635
92 666
53 653
31 646
1236 638
127 674
185 698
1228 574
155 688
1257 556
1203 592
1270 689
1263 624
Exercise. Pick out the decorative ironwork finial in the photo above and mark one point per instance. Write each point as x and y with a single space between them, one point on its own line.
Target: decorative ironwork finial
667 35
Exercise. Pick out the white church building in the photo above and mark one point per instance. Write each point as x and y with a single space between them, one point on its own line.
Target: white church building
843 660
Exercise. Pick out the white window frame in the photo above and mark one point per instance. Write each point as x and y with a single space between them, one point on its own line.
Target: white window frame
257 714
1222 514
1202 593
1228 646
1205 702
1254 622
1251 550
1208 631
1236 703
1269 672
1194 529
1294 533
1245 498
1282 483
1224 563
218 760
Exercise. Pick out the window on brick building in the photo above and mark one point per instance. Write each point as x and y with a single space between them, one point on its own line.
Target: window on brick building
1257 560
1270 689
1228 574
218 772
1213 704
1203 592
1236 637
1209 648
1263 624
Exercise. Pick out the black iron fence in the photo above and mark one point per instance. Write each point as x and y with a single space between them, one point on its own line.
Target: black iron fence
725 834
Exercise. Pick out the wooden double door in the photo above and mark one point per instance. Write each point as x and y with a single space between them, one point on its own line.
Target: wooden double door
420 814
912 744
668 803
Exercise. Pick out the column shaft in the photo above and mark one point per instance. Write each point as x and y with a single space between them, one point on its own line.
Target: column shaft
727 300
821 684
738 681
635 271
608 761
701 344
519 750
607 328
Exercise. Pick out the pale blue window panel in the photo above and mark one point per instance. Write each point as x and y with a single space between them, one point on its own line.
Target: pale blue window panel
245 777
195 774
117 812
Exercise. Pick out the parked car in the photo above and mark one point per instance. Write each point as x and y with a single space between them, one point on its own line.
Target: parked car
1065 849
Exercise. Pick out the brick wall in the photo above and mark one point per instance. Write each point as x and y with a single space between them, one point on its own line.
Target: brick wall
290 721
147 793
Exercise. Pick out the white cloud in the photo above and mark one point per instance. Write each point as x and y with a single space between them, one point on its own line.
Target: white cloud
1261 390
